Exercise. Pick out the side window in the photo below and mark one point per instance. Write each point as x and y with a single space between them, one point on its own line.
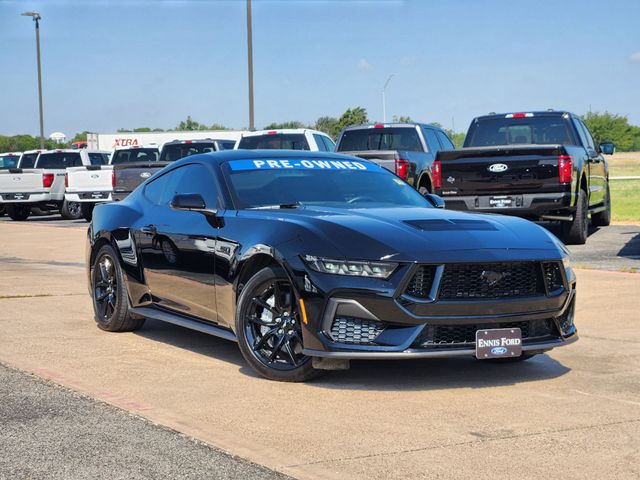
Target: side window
321 146
97 158
196 178
444 141
155 189
331 146
587 135
581 132
432 140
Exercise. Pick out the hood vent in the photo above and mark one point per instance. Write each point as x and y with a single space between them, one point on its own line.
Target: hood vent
434 225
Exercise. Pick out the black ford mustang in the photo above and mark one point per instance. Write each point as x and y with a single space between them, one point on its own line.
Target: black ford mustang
308 260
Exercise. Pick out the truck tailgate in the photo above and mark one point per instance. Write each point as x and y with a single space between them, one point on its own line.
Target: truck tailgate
495 170
384 158
20 181
130 175
93 178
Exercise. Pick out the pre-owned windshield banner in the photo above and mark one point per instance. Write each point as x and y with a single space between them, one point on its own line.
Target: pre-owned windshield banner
294 163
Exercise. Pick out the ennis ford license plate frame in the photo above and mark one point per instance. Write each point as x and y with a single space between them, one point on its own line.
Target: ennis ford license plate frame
498 343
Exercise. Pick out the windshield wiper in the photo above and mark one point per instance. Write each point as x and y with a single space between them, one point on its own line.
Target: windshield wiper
275 206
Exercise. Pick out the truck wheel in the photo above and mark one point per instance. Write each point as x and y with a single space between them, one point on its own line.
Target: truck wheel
110 299
576 231
87 210
70 210
18 212
423 190
603 218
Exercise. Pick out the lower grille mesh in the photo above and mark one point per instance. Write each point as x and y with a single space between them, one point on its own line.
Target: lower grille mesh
355 330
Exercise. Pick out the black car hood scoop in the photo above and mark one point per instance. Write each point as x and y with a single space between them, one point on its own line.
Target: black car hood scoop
439 224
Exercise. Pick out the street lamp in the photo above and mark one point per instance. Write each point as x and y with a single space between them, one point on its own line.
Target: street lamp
250 64
36 18
384 103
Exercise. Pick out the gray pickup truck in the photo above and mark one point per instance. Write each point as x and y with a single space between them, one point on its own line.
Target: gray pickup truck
406 149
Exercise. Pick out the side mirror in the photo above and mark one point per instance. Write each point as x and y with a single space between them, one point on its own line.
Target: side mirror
191 202
608 148
435 200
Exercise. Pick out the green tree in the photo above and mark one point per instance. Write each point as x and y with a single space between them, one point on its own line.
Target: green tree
189 125
79 137
218 126
123 130
352 116
610 127
402 119
290 124
328 125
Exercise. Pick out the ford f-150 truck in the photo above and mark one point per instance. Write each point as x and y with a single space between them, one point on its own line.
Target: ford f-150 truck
537 165
406 149
42 187
287 139
91 184
8 160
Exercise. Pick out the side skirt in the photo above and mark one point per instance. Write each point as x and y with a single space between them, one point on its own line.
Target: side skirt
185 322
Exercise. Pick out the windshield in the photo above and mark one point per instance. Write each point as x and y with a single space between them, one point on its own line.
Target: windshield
28 160
135 155
539 130
277 141
227 144
176 151
318 181
400 138
59 160
8 161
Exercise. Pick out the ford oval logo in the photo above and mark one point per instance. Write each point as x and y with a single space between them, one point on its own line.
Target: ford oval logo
499 350
95 175
145 174
16 179
498 167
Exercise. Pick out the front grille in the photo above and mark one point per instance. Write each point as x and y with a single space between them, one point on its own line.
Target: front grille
465 335
355 330
552 276
421 282
490 280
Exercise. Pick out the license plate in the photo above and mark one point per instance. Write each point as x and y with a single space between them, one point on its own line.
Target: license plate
98 195
501 201
16 196
498 343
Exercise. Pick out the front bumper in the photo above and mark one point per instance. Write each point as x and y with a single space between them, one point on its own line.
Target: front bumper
388 324
532 205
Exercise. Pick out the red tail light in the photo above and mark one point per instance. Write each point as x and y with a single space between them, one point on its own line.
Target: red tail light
47 180
113 178
402 168
565 169
436 174
66 180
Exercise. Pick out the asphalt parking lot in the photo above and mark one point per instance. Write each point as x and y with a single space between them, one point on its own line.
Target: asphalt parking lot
574 411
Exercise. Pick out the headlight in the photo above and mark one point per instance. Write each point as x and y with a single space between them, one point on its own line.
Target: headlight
350 267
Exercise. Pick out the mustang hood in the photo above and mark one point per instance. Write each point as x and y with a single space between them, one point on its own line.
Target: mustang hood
424 234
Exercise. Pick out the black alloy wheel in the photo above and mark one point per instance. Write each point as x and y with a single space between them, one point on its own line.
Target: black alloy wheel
268 328
71 210
105 287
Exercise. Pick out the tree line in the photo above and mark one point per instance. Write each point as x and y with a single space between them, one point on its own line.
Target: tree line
604 126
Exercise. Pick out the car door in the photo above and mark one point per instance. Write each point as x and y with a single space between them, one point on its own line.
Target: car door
596 167
177 247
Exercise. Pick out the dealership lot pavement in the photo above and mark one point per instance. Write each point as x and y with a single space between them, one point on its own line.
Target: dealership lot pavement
575 411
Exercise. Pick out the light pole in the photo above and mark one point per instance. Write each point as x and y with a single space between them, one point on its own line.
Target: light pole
384 102
250 64
36 18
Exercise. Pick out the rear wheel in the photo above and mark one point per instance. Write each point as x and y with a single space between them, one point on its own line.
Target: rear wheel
86 208
70 210
576 231
18 212
603 218
268 328
110 300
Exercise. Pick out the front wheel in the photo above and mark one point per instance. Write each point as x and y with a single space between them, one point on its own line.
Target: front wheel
86 208
268 328
70 210
18 212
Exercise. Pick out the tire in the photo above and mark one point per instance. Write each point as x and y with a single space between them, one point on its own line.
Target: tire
267 318
109 294
423 190
70 210
521 358
576 231
18 212
86 208
603 219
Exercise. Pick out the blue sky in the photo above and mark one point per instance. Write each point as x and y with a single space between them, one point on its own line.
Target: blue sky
112 64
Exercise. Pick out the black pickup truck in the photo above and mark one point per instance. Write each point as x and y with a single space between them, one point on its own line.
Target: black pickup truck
537 165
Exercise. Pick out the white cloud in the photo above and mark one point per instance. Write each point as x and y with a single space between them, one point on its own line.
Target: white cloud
364 66
635 57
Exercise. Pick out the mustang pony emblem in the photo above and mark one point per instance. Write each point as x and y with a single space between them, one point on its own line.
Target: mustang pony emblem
492 278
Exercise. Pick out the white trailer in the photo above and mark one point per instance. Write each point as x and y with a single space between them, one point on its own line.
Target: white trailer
111 141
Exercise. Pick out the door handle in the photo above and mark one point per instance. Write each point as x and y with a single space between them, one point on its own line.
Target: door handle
149 229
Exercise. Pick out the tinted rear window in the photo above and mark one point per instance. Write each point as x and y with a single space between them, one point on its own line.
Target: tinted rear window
280 141
176 151
28 160
539 130
135 155
227 144
8 161
380 139
59 160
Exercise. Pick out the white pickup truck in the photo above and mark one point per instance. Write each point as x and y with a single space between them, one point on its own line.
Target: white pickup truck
287 139
42 187
8 160
92 184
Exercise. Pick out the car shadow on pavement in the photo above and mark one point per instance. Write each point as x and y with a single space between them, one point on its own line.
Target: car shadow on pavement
442 373
631 248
